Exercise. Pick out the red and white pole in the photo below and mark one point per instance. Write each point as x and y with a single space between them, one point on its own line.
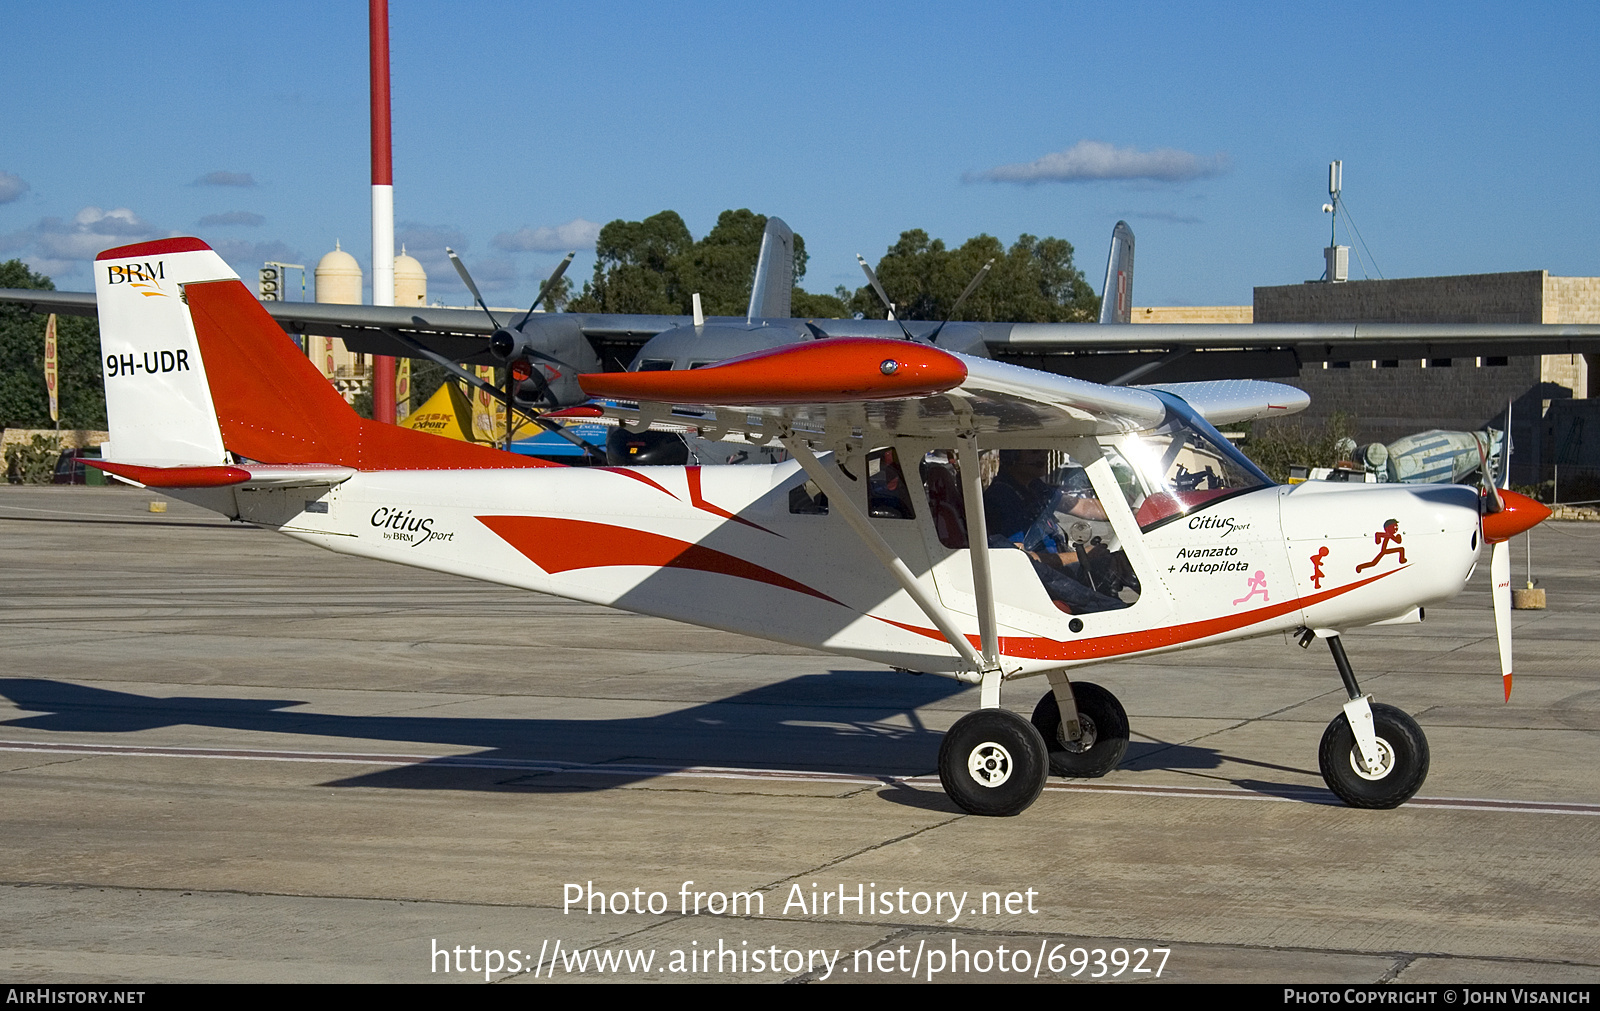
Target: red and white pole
382 201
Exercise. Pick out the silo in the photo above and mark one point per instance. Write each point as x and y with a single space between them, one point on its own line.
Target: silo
339 282
339 278
410 281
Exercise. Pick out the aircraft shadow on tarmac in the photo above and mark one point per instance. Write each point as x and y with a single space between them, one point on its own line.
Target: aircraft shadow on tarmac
857 723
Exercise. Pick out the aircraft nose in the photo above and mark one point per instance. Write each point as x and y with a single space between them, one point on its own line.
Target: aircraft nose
1519 513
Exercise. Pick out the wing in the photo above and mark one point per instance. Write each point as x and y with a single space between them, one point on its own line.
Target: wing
1113 354
837 389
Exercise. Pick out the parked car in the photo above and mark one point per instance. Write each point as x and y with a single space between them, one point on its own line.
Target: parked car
70 468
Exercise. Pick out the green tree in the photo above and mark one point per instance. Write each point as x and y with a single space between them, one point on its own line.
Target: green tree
656 266
1034 281
1275 446
23 400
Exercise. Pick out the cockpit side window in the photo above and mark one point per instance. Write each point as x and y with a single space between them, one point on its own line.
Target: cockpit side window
808 499
1042 503
887 494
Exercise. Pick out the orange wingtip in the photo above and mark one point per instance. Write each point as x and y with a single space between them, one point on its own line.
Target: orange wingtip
835 370
1507 679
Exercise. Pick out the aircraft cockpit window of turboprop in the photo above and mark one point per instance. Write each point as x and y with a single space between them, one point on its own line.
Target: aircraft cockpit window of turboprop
1040 502
1181 467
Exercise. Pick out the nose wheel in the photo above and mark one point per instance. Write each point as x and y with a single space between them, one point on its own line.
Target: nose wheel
1372 755
993 762
1401 766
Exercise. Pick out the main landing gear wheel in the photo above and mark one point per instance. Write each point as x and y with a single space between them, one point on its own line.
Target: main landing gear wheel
993 762
1105 732
1403 751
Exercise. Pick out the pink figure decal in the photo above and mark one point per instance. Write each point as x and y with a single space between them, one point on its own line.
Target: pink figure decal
1257 584
1390 534
1316 567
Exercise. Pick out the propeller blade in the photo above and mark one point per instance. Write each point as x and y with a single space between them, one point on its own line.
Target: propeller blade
872 279
1500 580
972 286
1486 480
466 278
549 283
1505 451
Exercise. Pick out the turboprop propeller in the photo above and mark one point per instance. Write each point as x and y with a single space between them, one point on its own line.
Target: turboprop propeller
513 347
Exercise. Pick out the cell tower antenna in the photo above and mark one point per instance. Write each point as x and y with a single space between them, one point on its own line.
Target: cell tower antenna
1335 184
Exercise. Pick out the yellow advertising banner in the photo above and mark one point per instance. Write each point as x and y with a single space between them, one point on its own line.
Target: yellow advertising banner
51 371
488 417
402 388
448 413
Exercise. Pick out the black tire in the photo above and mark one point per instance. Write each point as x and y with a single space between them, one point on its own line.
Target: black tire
1405 752
993 763
1105 729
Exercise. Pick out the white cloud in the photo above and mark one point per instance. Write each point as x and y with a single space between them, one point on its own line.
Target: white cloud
12 187
231 218
575 234
91 231
222 177
1093 161
55 247
497 273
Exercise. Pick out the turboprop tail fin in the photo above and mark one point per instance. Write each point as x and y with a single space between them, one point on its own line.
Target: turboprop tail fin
197 370
1116 295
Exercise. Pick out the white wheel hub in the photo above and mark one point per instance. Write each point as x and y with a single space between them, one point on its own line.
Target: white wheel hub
1385 762
989 764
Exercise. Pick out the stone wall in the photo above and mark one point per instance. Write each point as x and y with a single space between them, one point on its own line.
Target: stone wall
1391 399
1192 314
1468 298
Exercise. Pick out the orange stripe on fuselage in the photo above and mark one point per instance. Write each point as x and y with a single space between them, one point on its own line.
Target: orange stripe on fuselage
1142 640
560 545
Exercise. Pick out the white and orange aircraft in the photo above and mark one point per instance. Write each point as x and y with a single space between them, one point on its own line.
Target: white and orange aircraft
1015 523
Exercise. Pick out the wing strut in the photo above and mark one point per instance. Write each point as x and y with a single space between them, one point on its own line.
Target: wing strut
980 672
982 578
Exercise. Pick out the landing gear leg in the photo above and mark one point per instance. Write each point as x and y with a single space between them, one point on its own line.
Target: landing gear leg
1372 755
1101 737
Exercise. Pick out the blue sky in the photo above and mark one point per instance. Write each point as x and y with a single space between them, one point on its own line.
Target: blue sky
1468 132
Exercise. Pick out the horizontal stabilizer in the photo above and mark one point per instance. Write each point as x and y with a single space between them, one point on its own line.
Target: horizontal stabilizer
254 475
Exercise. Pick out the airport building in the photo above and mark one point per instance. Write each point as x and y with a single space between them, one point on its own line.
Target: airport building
1396 397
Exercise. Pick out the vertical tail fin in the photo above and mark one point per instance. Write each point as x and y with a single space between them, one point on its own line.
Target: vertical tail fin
1116 295
773 290
196 369
158 400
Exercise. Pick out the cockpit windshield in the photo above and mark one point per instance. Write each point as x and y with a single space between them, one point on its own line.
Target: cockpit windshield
1183 466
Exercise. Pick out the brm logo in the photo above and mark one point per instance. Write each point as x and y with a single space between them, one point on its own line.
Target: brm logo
139 275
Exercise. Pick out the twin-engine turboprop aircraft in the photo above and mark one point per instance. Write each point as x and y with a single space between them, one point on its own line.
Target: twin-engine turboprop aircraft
1015 523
